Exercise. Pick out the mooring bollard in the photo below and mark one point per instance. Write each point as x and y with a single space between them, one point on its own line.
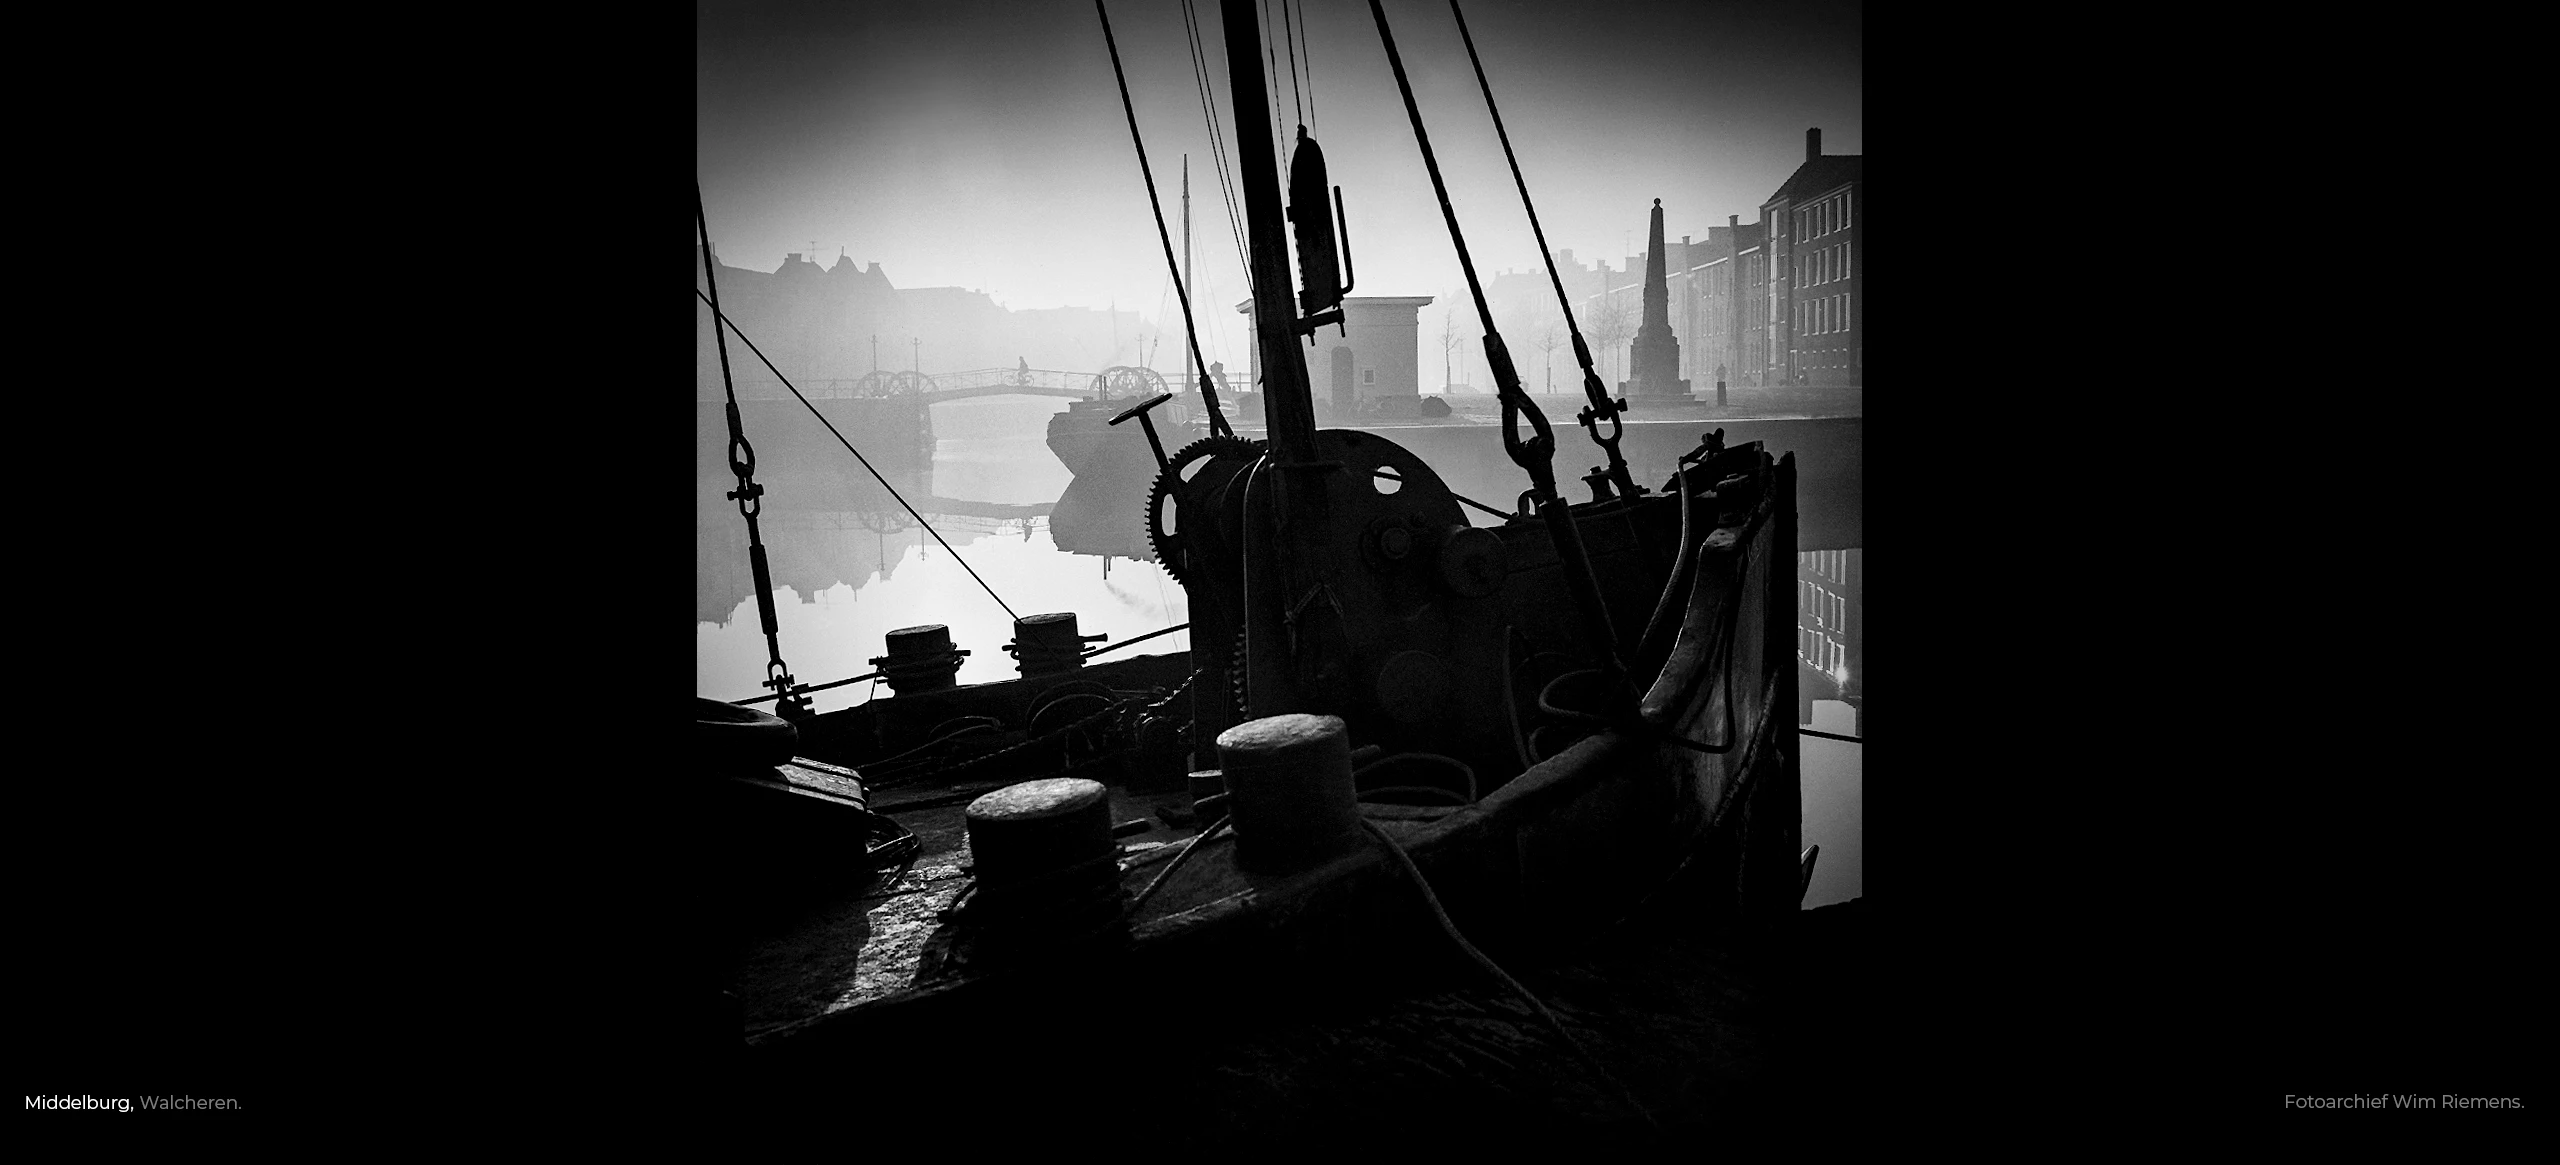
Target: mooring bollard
1048 644
1289 791
1038 827
920 659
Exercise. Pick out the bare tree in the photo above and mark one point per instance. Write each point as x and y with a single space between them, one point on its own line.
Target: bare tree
1551 338
1448 344
1610 328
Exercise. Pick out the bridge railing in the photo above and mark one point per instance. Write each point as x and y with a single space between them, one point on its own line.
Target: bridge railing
886 384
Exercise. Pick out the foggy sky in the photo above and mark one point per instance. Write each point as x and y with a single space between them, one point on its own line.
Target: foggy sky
982 145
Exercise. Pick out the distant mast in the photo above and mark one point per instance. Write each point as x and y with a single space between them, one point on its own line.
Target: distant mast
1186 257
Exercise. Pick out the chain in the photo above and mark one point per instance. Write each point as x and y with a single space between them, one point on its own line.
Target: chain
791 702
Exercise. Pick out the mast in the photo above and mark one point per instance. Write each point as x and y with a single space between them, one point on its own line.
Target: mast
1186 253
1289 410
1290 665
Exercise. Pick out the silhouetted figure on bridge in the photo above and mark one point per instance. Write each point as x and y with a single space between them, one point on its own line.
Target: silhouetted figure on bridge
1022 370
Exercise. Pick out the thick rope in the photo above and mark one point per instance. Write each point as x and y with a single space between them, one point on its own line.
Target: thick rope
1207 89
1199 359
1197 840
1592 387
1139 639
1495 969
748 493
1271 77
1308 54
1289 36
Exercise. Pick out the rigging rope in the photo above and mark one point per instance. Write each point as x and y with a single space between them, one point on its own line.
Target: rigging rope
1290 37
1208 389
1271 77
1601 405
748 495
1440 915
857 455
1535 454
1309 55
1217 137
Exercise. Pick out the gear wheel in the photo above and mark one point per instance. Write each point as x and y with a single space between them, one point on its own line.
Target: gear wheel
1236 678
1168 543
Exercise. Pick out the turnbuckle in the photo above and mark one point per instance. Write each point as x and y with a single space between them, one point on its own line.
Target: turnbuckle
792 703
1603 406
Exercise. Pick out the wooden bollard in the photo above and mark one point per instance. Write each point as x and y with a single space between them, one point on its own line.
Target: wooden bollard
1037 827
1289 791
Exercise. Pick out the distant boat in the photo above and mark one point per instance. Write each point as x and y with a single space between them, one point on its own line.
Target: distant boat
1393 733
1076 431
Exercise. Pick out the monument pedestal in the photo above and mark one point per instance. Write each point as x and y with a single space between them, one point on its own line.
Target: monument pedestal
1653 363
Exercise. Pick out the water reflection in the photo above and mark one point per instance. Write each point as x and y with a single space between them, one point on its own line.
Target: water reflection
1834 793
1831 657
849 565
831 536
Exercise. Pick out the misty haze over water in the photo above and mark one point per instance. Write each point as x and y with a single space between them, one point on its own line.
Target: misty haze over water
845 577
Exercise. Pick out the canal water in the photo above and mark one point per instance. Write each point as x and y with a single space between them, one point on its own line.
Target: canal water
845 577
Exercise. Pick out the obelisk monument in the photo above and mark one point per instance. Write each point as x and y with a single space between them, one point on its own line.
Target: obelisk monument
1653 363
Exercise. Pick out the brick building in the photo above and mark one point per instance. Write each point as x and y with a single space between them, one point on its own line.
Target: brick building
1725 288
1814 298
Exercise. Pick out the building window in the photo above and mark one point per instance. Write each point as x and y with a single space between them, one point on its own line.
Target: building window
1368 376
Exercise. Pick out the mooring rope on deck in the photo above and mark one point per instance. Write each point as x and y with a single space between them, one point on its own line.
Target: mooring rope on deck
1185 626
1485 961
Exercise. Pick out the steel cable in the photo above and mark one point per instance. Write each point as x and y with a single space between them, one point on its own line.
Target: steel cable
857 455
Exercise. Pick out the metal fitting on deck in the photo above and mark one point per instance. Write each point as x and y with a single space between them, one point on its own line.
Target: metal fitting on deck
1470 561
1598 480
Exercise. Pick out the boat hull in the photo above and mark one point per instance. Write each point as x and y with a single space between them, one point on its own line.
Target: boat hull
1532 869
